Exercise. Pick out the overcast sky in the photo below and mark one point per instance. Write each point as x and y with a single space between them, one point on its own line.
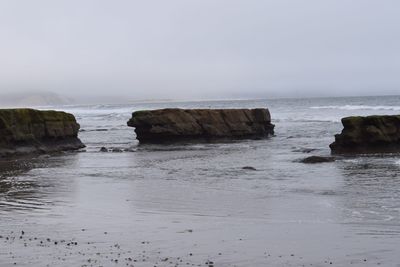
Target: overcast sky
200 48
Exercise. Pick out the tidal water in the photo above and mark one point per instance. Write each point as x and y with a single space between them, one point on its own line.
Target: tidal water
194 204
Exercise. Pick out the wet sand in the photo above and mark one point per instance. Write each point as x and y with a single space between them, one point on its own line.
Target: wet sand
195 205
115 213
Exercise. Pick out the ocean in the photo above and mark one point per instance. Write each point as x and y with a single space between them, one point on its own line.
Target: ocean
193 204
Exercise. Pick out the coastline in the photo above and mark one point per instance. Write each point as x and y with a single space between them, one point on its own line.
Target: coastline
197 199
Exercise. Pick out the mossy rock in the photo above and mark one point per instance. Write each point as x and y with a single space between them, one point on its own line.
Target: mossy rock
371 134
173 124
33 128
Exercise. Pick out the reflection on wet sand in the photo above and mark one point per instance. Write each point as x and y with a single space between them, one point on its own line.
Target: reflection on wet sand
371 199
191 206
22 189
195 205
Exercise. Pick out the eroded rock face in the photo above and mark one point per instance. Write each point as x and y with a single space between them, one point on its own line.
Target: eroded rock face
25 131
372 134
192 124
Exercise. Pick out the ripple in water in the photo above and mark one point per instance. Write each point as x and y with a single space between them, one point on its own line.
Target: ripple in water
147 200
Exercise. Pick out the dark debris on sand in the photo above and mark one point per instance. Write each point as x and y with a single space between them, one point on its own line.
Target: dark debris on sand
91 254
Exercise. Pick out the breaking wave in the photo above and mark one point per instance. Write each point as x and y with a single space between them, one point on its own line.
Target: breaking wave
358 107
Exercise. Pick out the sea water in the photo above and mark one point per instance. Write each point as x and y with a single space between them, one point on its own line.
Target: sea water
194 204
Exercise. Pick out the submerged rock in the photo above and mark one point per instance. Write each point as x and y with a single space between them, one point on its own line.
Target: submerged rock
372 134
249 168
304 150
103 149
26 131
317 159
179 124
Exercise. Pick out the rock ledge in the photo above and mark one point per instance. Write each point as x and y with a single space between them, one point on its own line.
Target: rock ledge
372 134
167 125
27 131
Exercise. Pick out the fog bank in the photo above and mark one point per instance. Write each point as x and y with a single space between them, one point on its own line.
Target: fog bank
200 49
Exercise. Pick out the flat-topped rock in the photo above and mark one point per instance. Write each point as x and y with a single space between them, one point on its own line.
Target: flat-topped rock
26 131
372 134
165 125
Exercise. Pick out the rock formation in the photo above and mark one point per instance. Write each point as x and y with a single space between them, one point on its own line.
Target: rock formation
317 159
25 131
372 134
165 125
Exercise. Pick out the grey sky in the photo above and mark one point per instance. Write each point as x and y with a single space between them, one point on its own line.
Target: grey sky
200 48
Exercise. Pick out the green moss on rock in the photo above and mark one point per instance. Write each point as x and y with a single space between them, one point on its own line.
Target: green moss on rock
371 134
165 125
38 130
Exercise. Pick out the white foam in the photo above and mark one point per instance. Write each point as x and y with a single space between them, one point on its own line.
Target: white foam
112 111
359 107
